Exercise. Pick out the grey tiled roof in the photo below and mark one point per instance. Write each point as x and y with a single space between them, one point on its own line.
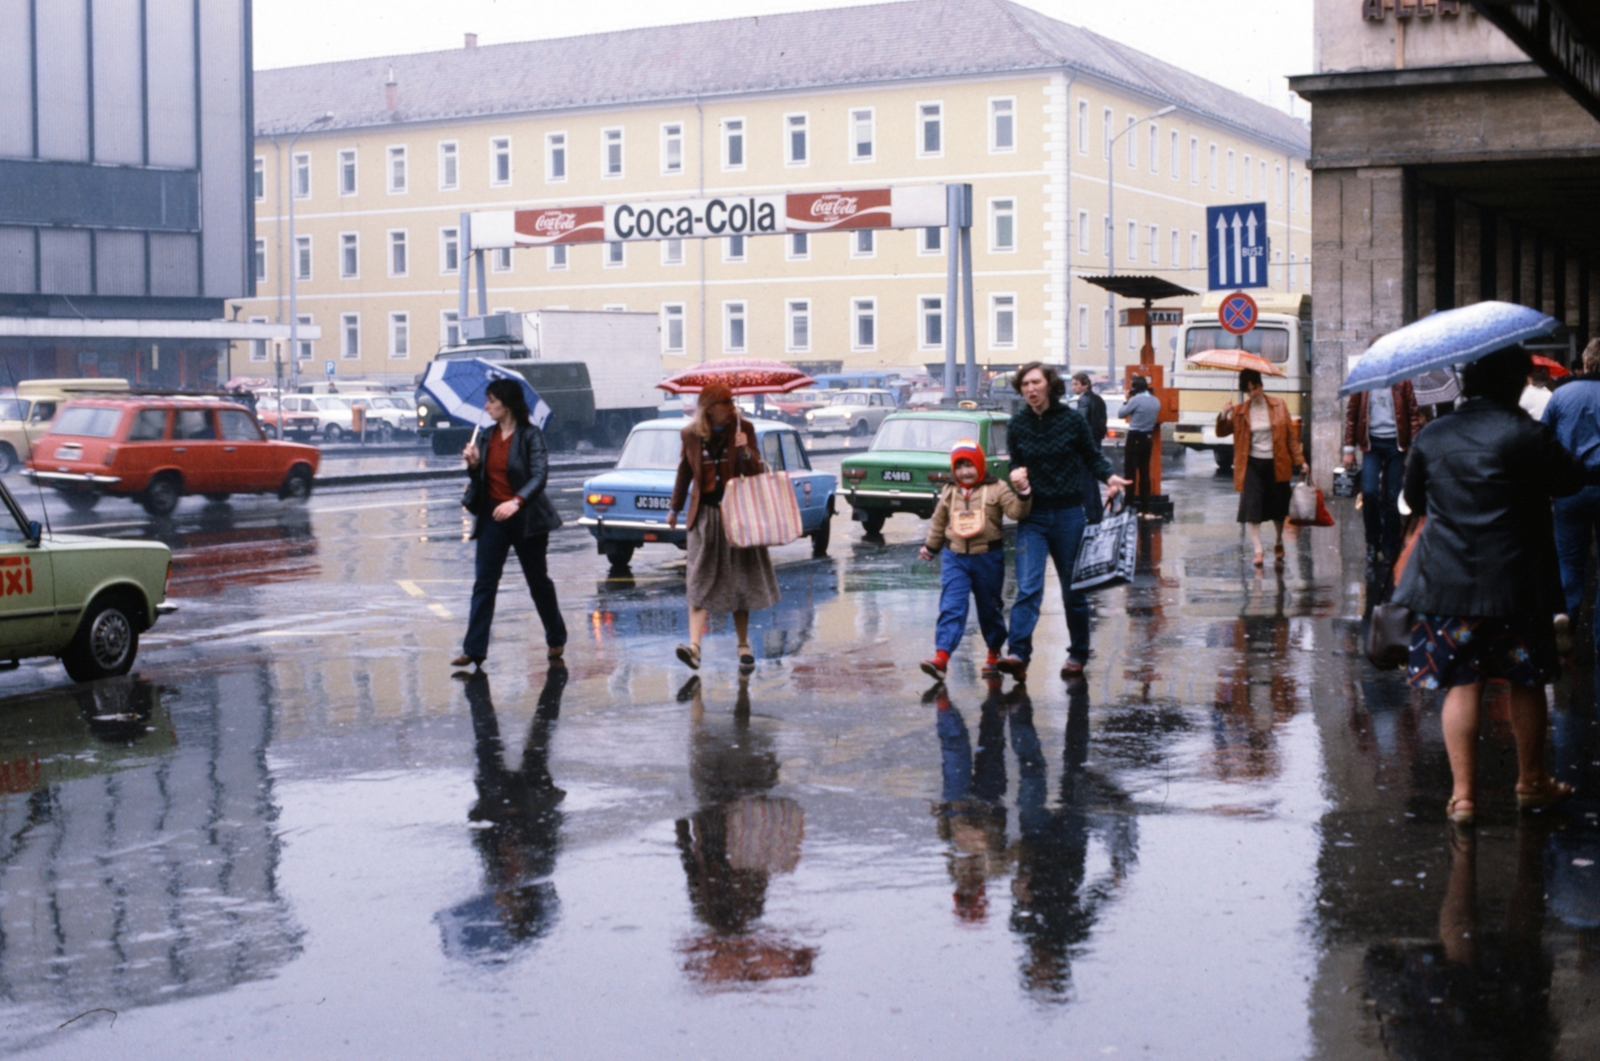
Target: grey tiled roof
812 49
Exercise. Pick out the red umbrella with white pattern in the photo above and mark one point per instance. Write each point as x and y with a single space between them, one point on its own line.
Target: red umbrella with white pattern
742 375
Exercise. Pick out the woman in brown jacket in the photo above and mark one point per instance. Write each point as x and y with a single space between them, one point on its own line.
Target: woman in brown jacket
1266 454
719 445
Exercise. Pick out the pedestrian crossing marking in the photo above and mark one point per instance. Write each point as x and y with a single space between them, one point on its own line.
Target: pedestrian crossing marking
410 587
440 610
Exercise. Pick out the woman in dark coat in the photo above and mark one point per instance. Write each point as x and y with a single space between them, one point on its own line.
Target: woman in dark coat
1266 454
1482 581
719 445
506 496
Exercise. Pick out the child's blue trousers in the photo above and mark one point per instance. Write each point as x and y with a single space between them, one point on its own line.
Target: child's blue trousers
981 576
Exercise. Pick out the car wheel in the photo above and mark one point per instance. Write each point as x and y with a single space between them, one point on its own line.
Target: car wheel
106 641
81 500
860 429
297 484
821 536
162 495
873 524
333 433
269 430
385 432
619 553
8 458
217 499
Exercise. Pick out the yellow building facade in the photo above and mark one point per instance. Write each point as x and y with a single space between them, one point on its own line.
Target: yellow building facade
415 141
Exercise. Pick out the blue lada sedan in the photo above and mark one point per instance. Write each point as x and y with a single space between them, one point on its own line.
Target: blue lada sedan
627 506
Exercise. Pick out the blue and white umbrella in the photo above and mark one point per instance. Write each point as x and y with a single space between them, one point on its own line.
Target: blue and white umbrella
460 386
1452 337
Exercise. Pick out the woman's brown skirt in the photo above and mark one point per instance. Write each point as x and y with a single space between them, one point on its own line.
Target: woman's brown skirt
722 578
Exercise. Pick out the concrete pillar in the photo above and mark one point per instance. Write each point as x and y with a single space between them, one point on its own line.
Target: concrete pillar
1469 254
1359 224
1424 257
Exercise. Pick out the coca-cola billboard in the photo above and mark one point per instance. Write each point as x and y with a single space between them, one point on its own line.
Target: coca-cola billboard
567 224
822 211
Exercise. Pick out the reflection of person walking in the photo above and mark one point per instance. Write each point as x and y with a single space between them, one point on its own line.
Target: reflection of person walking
506 496
1483 581
1141 412
1266 454
968 537
719 445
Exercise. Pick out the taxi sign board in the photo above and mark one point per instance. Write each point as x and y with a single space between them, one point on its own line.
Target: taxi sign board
1238 313
1156 315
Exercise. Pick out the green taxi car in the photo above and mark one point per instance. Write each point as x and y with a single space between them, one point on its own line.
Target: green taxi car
908 462
85 600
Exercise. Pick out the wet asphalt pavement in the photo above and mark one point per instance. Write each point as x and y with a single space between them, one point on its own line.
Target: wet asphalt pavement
292 833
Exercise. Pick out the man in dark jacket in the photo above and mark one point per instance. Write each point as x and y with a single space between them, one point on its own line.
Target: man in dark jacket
1092 408
1574 413
1379 426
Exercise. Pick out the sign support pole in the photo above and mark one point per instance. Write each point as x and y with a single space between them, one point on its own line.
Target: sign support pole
463 252
969 325
483 285
952 206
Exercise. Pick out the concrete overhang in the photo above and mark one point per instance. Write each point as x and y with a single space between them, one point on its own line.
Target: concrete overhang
1562 36
69 328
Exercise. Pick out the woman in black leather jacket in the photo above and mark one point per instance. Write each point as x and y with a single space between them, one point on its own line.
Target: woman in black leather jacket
1483 583
506 495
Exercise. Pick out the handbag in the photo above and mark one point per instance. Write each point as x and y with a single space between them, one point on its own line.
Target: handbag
1344 483
1389 633
1306 506
1109 550
760 510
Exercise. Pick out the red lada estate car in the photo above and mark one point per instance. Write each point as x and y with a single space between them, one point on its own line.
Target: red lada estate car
157 449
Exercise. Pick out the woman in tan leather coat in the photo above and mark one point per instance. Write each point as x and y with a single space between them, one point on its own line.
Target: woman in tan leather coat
1266 454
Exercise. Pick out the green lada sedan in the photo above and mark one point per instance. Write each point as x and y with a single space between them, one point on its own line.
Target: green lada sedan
83 599
908 462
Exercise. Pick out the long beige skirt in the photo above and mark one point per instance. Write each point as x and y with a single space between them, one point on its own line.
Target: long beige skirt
722 578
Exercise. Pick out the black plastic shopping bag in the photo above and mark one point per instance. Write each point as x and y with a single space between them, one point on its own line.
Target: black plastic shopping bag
1109 551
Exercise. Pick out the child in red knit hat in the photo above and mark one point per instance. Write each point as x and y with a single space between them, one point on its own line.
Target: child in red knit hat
967 536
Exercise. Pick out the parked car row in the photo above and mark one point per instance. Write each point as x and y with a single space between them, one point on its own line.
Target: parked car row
332 416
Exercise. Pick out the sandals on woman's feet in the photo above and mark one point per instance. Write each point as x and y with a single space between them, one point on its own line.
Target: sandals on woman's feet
747 659
1259 559
690 654
1460 811
1277 554
1549 793
556 652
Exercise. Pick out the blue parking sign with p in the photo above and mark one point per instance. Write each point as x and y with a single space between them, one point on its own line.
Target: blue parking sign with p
1236 246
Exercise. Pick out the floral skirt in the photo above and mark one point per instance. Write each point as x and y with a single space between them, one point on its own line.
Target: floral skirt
722 578
1447 651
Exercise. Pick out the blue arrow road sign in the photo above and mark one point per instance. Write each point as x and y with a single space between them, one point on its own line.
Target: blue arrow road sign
1236 246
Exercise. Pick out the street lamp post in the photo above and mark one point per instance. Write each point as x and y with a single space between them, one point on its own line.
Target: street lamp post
294 265
1111 234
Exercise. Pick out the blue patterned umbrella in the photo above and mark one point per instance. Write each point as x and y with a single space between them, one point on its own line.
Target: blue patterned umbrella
460 386
1452 337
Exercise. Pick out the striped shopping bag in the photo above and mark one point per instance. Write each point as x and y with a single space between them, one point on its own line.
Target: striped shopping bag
760 510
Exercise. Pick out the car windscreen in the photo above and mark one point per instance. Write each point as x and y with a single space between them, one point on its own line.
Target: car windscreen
87 421
654 449
13 409
934 436
850 399
1270 343
332 404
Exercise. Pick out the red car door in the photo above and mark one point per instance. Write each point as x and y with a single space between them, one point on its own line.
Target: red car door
247 458
197 451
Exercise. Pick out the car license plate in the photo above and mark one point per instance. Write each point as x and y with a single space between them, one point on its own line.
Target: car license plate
652 501
896 477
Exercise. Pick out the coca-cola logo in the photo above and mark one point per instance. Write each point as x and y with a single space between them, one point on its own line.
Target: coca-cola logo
555 222
834 206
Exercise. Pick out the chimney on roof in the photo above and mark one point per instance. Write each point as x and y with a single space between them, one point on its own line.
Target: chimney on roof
391 92
472 40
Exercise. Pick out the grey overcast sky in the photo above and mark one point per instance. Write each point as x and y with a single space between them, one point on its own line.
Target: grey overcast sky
1247 45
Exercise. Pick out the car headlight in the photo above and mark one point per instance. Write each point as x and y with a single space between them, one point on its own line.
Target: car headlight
810 417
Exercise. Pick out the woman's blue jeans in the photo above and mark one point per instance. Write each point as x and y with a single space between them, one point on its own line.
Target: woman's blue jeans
1053 535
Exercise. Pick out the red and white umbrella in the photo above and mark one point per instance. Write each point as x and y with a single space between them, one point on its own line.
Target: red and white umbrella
1233 361
742 375
1551 365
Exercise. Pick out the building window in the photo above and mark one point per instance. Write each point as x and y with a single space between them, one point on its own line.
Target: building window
1105 328
449 165
1109 237
672 148
1155 153
611 153
1133 241
258 182
399 335
1106 119
307 349
799 246
672 327
258 347
930 130
1277 186
865 244
930 240
930 330
1194 160
615 307
1172 249
397 170
1002 125
861 145
672 252
302 176
1083 127
733 249
797 148
1194 250
349 255
1083 327
614 254
864 324
449 328
1230 171
733 328
556 256
1263 183
450 250
500 259
1247 176
1155 245
302 257
798 332
1291 268
258 261
500 161
397 253
555 157
349 335
733 143
1083 232
1133 143
1305 193
1003 321
1002 225
1132 338
347 172
1211 167
1172 150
